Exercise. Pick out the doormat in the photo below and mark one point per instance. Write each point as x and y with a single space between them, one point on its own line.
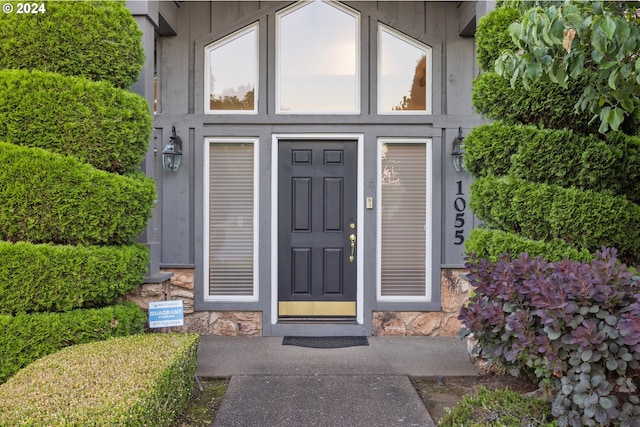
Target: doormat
325 342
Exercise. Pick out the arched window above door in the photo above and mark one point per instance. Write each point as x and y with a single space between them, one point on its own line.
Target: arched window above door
317 59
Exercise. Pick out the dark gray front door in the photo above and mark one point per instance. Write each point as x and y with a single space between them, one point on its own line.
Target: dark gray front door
317 228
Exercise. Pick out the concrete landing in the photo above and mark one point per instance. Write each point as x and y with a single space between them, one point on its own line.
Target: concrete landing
287 386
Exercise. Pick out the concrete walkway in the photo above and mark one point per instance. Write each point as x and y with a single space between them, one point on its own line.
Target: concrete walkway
276 385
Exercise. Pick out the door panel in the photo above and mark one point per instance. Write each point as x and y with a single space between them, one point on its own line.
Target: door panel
317 215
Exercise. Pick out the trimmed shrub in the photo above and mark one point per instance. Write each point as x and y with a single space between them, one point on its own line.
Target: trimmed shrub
491 244
584 219
574 326
488 148
97 40
504 408
560 157
613 164
28 337
106 127
545 104
143 380
492 36
62 278
58 199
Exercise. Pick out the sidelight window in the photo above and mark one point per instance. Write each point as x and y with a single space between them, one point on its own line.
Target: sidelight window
230 208
404 221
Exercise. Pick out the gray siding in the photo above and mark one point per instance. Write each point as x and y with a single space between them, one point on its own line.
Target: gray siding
180 73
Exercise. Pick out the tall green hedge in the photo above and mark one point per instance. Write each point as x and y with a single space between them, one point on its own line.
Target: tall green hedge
488 148
492 36
97 40
45 277
545 104
58 199
560 157
27 337
490 244
106 127
583 218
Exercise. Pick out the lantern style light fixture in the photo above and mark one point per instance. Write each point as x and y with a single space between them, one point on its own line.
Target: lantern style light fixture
457 151
172 152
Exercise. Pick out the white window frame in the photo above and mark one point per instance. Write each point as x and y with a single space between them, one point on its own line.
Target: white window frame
256 204
428 142
358 48
429 81
207 66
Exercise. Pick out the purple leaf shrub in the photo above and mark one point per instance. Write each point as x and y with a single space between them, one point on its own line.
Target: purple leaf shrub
574 326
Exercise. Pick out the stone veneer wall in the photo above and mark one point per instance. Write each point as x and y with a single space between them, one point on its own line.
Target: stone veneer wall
180 286
454 293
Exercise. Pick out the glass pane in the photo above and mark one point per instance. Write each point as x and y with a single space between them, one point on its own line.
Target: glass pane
404 189
233 73
318 69
231 219
404 74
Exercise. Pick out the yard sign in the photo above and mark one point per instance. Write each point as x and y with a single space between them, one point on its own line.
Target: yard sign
163 314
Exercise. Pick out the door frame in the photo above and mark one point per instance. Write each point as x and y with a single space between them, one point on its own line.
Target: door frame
314 137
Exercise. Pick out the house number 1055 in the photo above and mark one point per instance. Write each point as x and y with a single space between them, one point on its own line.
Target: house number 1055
459 204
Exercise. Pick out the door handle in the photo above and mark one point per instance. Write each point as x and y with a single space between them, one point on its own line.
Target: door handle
352 239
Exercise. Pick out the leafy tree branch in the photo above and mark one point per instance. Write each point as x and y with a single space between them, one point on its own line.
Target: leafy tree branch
599 41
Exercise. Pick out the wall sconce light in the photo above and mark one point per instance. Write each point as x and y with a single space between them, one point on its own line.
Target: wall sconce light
172 152
457 152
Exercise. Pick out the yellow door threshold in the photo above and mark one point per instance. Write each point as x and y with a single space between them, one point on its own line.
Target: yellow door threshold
317 308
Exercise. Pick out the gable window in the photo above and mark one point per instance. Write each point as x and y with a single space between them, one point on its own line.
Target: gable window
231 219
404 220
317 59
404 74
232 73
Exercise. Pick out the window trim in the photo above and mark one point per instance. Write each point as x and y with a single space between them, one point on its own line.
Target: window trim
206 218
358 52
429 81
255 27
428 296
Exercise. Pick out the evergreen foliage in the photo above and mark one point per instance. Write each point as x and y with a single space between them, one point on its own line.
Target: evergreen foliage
28 337
492 36
132 383
106 127
97 40
490 244
582 218
561 179
46 277
72 137
559 157
545 105
57 199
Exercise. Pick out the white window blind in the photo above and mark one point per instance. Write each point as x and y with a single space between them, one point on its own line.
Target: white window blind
231 219
403 271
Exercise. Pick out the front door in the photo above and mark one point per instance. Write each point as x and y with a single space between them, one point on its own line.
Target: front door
317 229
